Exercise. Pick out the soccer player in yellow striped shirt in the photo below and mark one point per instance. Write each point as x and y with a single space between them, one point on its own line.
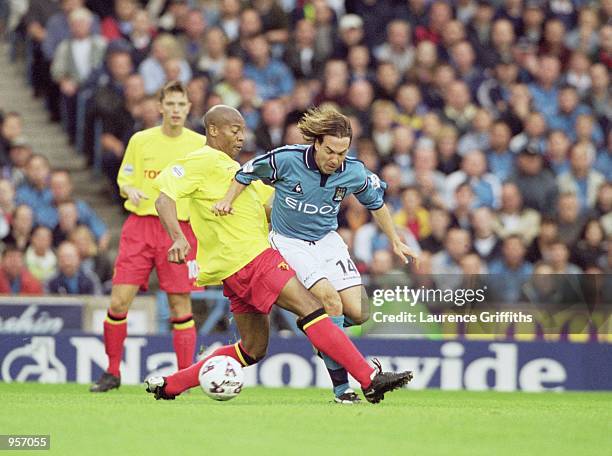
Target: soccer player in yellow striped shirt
235 251
144 243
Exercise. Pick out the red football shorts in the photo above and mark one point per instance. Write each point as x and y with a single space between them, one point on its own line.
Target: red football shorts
143 246
255 288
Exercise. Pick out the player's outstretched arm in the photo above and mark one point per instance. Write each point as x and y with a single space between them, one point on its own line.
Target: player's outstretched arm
166 209
385 222
224 207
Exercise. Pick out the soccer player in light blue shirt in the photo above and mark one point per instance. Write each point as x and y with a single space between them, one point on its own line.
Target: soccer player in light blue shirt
310 182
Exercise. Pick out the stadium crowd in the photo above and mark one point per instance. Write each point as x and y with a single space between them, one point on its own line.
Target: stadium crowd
488 120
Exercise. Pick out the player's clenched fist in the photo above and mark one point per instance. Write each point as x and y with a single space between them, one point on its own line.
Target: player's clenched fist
222 208
178 250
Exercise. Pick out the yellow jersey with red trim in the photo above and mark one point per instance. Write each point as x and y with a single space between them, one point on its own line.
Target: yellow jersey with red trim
225 244
148 152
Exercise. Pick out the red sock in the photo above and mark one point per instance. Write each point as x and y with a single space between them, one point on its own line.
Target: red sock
329 339
184 340
115 332
188 378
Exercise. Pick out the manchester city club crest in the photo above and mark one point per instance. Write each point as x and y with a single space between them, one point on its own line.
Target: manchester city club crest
339 194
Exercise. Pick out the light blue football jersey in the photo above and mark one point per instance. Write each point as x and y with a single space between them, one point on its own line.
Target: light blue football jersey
306 201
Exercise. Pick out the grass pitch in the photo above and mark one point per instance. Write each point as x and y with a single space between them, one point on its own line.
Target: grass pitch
303 422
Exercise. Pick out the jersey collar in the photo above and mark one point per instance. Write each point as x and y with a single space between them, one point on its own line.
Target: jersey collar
311 164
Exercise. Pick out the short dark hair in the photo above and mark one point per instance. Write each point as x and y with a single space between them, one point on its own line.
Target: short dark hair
172 86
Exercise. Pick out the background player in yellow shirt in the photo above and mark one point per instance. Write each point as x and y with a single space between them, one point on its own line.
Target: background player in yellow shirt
144 243
237 254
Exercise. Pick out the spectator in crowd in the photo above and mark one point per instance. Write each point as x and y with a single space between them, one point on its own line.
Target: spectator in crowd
196 93
567 115
68 220
545 88
39 256
229 87
11 130
119 25
7 205
559 259
193 37
164 49
446 263
517 110
446 146
22 223
213 56
599 95
424 175
71 278
92 259
557 151
439 221
581 179
493 94
350 34
61 190
57 28
536 183
603 207
500 158
534 134
271 129
74 61
15 279
589 248
381 128
335 83
397 49
486 186
273 77
19 154
514 218
141 37
250 105
540 247
584 36
463 203
570 218
511 271
484 239
359 62
413 215
229 18
302 55
35 22
478 136
458 108
250 26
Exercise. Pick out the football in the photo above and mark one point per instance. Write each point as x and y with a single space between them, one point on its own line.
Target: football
221 378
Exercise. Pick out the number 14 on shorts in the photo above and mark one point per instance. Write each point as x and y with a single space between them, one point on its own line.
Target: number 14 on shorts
347 266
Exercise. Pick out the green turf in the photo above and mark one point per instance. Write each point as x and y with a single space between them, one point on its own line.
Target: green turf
286 422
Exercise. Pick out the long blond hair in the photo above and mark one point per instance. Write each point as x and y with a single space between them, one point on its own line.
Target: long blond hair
324 121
